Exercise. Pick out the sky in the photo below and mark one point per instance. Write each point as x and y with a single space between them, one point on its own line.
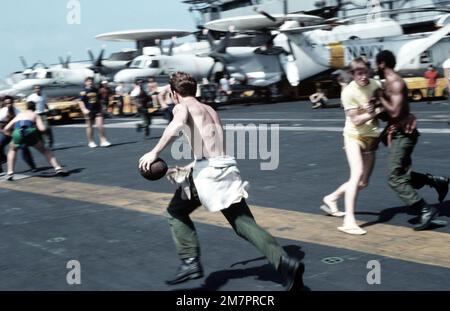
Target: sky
38 29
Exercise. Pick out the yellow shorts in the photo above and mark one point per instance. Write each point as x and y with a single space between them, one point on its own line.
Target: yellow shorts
368 144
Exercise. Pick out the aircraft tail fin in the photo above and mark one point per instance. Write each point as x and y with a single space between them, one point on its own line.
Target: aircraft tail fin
414 48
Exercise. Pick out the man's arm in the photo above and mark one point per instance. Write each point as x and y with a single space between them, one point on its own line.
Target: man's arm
46 103
39 124
7 128
360 119
83 107
435 74
394 105
180 116
162 96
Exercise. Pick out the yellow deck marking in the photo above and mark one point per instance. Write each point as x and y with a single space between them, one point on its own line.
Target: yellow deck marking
427 247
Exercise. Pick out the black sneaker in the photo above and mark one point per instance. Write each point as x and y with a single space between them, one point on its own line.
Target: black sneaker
190 269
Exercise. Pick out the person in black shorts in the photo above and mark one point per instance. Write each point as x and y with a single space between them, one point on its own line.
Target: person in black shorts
92 110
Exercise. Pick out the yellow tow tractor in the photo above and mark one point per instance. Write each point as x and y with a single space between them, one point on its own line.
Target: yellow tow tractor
418 88
67 110
64 110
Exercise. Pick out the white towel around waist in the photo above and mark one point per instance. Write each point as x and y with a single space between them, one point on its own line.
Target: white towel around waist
218 183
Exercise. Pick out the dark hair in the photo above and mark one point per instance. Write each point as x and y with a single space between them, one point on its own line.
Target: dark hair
31 106
89 78
183 83
386 57
8 97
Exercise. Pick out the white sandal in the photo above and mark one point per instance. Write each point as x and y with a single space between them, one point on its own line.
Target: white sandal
352 230
328 210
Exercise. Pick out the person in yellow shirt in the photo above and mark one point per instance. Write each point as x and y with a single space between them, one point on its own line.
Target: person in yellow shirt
360 143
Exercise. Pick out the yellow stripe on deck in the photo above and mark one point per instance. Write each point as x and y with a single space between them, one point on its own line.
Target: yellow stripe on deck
427 247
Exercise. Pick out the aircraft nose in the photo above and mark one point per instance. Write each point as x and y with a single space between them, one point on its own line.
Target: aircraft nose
22 85
123 76
27 85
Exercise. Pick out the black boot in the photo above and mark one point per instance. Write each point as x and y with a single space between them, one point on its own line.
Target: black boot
439 183
190 268
291 271
427 214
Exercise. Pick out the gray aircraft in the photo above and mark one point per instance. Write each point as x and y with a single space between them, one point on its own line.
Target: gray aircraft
67 78
313 49
159 61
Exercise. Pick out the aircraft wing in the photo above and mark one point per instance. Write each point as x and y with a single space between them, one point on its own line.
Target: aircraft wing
299 30
414 48
142 35
258 22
